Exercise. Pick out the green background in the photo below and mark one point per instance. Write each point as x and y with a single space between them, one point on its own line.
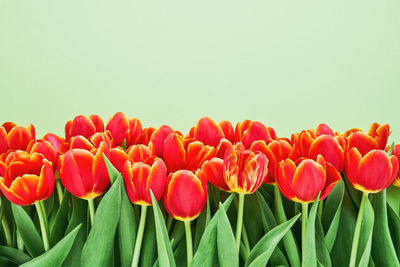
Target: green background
289 64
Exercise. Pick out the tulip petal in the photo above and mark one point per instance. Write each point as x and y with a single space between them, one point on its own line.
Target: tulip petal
97 122
328 147
118 125
256 131
254 173
213 171
208 132
284 175
101 179
81 125
332 178
227 128
156 181
4 145
374 171
323 129
174 154
19 138
308 180
46 181
139 153
157 140
364 143
25 187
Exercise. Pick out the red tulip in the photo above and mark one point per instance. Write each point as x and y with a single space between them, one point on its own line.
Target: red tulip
157 139
249 131
55 140
180 154
45 148
146 135
122 128
375 139
140 177
371 172
82 125
28 178
210 133
303 180
139 153
275 151
380 133
84 173
396 152
213 171
244 171
308 144
185 196
323 129
15 137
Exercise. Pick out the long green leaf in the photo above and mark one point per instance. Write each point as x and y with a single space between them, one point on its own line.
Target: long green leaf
56 255
365 242
14 255
262 251
323 256
201 224
383 251
61 221
331 214
29 234
205 254
227 253
99 246
149 244
309 250
394 227
165 255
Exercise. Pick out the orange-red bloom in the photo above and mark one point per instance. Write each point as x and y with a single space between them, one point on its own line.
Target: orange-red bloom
28 178
15 137
82 125
210 133
185 195
371 172
375 139
184 154
84 173
157 139
244 171
303 181
249 131
55 140
396 152
140 177
45 148
124 128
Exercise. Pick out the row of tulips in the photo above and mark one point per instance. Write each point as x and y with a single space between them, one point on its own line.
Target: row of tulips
85 221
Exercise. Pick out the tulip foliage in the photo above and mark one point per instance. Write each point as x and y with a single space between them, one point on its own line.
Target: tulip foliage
119 194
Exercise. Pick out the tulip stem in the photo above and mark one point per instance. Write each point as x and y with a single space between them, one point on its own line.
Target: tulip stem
320 208
42 223
169 223
239 221
20 242
139 236
91 210
304 215
189 245
7 232
357 231
60 192
46 222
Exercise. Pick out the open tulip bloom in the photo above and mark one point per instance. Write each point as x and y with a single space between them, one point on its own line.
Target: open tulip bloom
119 194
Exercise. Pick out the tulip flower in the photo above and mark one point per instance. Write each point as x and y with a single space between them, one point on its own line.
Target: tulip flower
396 152
45 148
15 137
180 154
370 173
122 128
84 173
55 140
210 133
145 136
157 139
375 139
249 131
29 179
82 125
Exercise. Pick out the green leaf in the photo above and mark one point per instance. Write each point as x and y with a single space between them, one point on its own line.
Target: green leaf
394 227
262 251
309 250
149 244
383 251
29 234
289 241
99 247
253 224
331 214
165 255
61 221
323 256
14 255
127 229
201 224
365 242
56 255
113 173
227 253
205 254
78 216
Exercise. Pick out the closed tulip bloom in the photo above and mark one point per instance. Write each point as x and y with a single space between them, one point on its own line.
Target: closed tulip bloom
371 172
55 140
139 153
15 137
303 181
124 128
249 131
210 133
140 177
84 173
396 152
181 154
244 170
28 178
185 196
157 140
213 171
45 148
85 126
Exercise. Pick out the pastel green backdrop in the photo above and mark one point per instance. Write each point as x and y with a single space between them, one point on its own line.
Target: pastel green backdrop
289 64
